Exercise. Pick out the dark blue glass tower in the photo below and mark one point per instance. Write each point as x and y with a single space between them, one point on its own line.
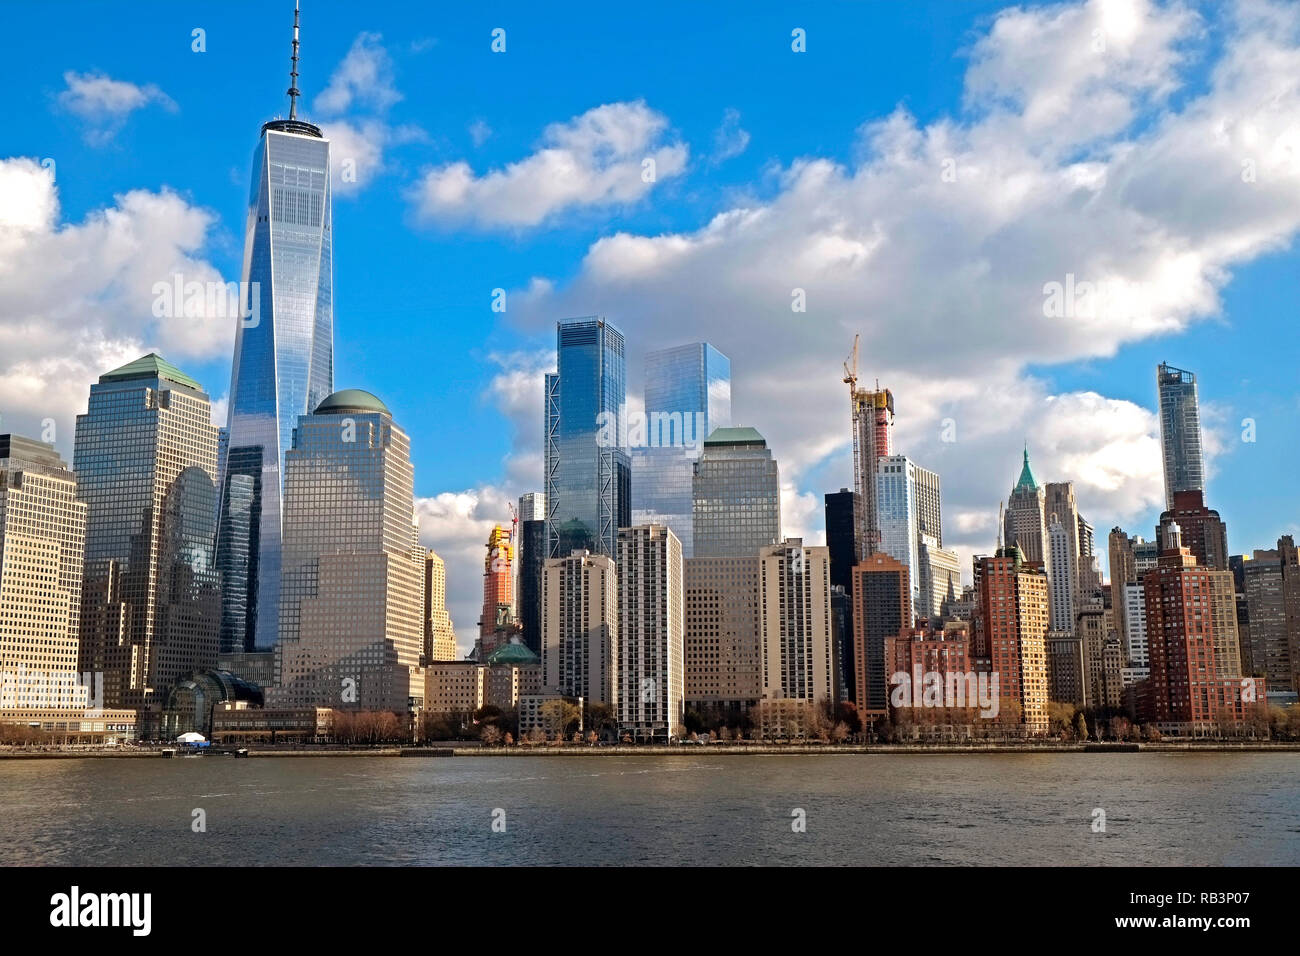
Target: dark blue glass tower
587 471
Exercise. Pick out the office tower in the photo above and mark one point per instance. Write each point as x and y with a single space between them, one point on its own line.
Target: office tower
736 492
283 365
843 514
940 573
580 627
1146 555
1223 624
1087 538
1186 688
1270 649
929 503
687 395
1135 625
352 595
1067 672
873 421
498 584
649 690
881 608
587 469
42 553
1203 531
723 659
1025 523
1014 617
439 632
1180 432
795 622
1063 576
145 459
1290 558
1104 683
897 519
1059 500
532 555
1123 572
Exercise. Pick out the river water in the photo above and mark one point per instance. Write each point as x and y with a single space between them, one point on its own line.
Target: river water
889 809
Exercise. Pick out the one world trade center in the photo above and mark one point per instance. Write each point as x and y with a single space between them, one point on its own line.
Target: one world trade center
283 364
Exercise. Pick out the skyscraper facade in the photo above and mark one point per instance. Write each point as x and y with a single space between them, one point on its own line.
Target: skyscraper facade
1025 523
352 600
146 459
439 632
498 583
1013 616
587 470
283 365
580 627
1063 580
873 416
843 513
1180 432
532 555
723 659
42 550
795 623
882 603
687 395
649 690
1203 531
736 490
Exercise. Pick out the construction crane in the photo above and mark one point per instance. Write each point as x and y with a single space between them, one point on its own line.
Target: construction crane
851 379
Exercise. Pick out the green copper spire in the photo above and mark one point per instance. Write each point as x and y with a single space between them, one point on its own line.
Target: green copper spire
1027 474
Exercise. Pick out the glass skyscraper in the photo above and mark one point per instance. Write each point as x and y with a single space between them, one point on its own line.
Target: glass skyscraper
145 458
687 395
283 367
736 492
587 471
1180 432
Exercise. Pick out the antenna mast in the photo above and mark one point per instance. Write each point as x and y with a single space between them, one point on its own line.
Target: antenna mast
293 70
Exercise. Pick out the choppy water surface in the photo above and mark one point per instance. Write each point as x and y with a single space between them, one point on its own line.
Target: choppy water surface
887 809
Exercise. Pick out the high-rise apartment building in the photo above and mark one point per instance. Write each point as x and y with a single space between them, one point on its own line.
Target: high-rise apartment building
1203 531
1025 523
723 656
1223 624
795 623
145 459
587 470
1180 432
580 627
881 609
649 689
897 513
1013 613
873 417
498 584
687 395
42 553
352 596
1135 625
1270 646
1063 578
439 632
736 491
1123 572
283 364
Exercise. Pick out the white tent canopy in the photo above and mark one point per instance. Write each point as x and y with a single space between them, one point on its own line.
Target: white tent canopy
190 738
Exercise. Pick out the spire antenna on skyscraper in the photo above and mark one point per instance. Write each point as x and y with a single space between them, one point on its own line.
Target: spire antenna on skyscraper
293 69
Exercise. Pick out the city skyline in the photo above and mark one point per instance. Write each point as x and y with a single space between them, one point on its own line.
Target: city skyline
1089 417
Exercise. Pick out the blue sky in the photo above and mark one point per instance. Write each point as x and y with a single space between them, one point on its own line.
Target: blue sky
787 136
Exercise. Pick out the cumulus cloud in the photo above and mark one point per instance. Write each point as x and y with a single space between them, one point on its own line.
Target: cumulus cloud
611 155
1089 194
103 103
78 299
363 78
354 108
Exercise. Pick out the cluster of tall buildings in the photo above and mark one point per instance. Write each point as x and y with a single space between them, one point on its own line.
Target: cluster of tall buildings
177 571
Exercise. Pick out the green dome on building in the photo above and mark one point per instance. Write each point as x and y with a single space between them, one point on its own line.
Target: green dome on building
352 400
516 655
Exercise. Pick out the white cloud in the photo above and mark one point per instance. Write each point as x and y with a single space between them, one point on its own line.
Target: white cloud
730 139
1071 166
357 150
103 103
363 78
76 299
479 132
598 159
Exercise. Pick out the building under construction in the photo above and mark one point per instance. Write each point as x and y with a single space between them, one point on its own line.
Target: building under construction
498 585
873 421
